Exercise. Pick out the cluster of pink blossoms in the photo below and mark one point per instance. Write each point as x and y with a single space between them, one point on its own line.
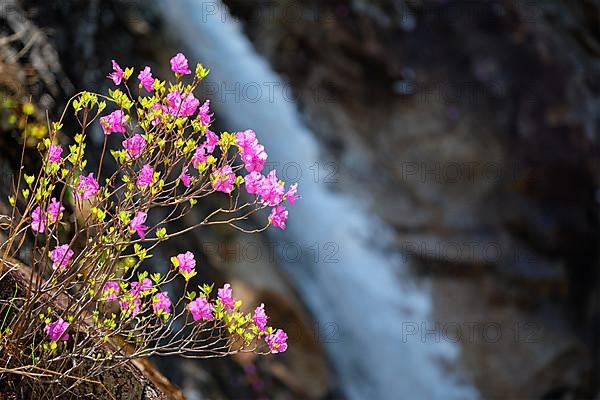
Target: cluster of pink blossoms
40 218
134 146
60 256
146 79
145 177
111 290
180 104
87 187
57 330
201 309
179 65
252 153
186 264
205 149
137 224
133 302
114 122
161 304
54 154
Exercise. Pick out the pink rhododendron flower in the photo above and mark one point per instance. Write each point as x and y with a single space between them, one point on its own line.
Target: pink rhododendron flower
186 262
161 304
291 194
199 156
204 114
201 309
87 187
179 64
146 79
271 190
254 159
245 138
137 224
114 122
260 318
138 288
180 106
253 182
206 148
55 210
158 118
117 75
145 177
57 330
134 146
223 179
186 178
38 220
111 290
277 341
132 305
60 256
54 154
252 153
278 216
225 295
211 141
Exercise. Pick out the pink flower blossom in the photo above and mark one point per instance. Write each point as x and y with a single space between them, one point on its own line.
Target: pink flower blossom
211 141
134 146
179 64
87 187
111 290
161 304
245 138
277 341
278 216
204 114
114 122
180 106
185 178
55 210
201 309
117 75
225 295
57 330
223 179
158 118
260 318
146 176
137 224
146 79
199 156
252 153
206 148
54 154
60 256
138 288
38 220
186 262
131 305
253 182
291 194
254 158
271 190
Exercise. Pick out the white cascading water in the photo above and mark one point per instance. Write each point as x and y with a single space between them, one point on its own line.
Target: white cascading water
366 294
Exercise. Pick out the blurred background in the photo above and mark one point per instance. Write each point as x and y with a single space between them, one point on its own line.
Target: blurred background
447 242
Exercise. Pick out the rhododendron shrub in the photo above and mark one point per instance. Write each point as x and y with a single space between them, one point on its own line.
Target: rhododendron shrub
92 234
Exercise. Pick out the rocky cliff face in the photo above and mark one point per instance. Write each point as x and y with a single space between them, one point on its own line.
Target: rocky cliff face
475 127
